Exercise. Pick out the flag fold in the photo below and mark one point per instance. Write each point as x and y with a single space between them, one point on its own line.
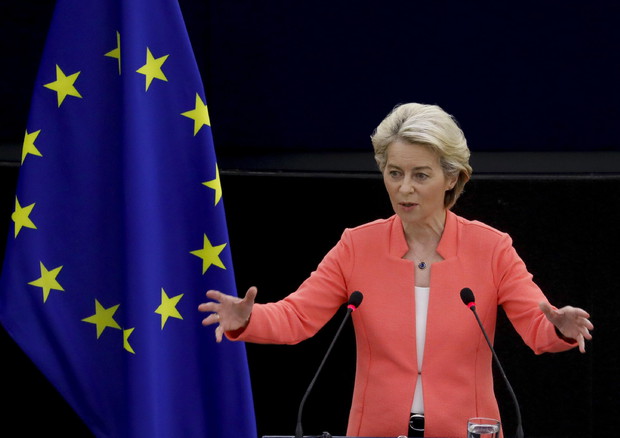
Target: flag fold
119 229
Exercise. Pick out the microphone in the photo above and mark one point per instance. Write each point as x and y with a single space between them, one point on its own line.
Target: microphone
354 302
468 298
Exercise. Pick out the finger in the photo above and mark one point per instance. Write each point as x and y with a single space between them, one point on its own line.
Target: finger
211 319
581 313
250 295
576 313
208 307
546 308
216 295
582 343
585 322
584 325
219 332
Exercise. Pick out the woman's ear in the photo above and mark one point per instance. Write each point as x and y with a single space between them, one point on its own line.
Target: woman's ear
451 183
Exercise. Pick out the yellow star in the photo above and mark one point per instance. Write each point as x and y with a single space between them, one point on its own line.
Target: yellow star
47 281
103 318
63 85
152 68
210 255
200 114
168 308
28 146
116 52
216 185
21 217
126 345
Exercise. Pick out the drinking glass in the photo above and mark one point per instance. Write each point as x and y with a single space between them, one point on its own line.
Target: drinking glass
480 427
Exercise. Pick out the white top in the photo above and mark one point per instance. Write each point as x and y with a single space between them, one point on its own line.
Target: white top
421 311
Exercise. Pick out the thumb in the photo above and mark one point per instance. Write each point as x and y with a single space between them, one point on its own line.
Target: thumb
546 308
250 295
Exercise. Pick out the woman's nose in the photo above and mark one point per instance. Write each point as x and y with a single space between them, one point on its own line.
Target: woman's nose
407 186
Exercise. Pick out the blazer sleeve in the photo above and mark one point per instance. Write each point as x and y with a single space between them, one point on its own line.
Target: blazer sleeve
304 312
519 296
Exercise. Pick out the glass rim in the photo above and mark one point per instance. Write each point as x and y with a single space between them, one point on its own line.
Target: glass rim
483 418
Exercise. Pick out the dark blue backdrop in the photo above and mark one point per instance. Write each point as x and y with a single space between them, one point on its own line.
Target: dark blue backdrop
320 75
519 76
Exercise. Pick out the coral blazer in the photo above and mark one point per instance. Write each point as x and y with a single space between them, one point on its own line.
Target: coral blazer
457 368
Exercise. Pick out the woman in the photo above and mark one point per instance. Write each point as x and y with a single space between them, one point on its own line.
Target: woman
423 366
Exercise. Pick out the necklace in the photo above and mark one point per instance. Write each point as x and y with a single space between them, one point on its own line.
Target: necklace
431 248
421 264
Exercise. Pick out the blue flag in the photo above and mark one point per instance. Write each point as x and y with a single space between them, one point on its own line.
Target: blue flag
119 230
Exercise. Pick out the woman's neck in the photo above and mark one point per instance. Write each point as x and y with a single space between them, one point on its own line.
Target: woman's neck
425 234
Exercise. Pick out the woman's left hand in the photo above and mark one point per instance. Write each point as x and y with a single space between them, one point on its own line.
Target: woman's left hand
572 322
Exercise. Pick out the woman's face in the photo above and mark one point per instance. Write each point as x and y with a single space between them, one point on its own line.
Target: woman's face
415 183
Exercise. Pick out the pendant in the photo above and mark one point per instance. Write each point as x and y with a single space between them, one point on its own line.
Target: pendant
422 265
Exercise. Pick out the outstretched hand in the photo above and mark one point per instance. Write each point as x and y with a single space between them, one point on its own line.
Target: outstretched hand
572 322
229 312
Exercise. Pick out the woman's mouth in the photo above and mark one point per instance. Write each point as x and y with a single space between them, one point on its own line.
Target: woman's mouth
408 205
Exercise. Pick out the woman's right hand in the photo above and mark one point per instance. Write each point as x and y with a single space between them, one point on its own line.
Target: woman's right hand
229 312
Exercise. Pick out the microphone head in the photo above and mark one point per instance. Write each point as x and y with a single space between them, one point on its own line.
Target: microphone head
355 299
467 296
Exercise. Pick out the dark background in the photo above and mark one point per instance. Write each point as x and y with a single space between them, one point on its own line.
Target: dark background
295 89
319 75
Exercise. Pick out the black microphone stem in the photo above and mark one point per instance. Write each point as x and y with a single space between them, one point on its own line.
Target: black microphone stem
499 365
298 430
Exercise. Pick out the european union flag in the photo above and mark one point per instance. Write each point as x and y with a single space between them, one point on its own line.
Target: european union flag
119 230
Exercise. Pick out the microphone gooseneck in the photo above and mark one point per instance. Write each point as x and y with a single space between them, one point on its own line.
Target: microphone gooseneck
468 299
354 302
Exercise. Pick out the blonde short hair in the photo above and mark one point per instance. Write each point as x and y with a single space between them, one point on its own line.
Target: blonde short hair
430 126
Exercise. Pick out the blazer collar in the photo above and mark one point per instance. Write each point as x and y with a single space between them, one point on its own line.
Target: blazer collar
447 243
449 238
